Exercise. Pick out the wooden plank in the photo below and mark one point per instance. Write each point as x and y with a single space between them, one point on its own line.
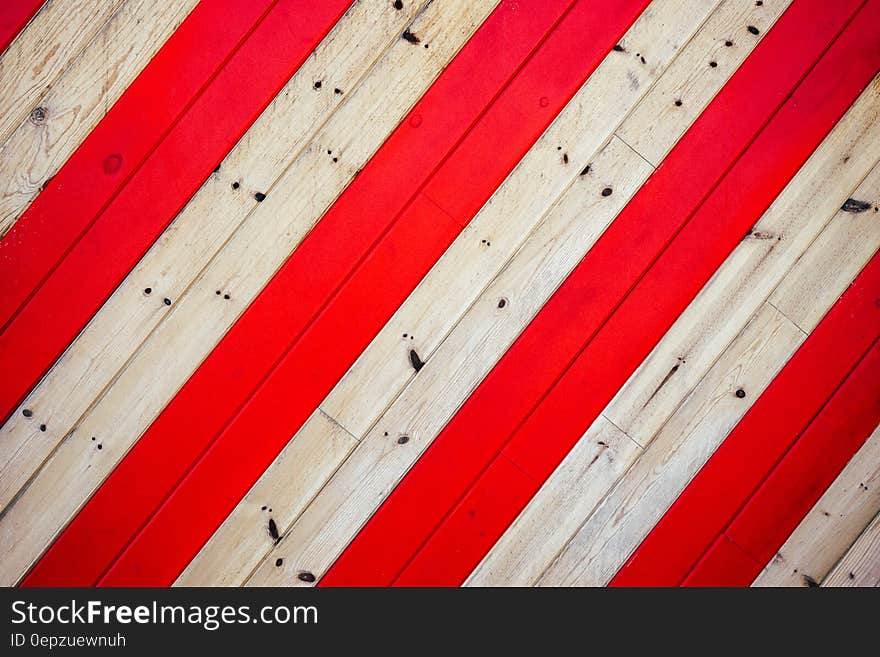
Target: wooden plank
480 338
607 536
580 482
286 487
833 524
762 261
383 370
198 319
861 564
81 98
318 346
13 18
804 473
536 428
169 268
35 60
65 272
343 286
714 497
678 98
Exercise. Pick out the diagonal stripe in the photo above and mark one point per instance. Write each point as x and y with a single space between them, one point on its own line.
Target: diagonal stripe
523 376
57 274
767 431
446 27
322 343
799 478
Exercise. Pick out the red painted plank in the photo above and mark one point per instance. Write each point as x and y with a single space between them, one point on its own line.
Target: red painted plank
572 316
760 439
135 172
322 347
797 482
722 567
473 524
378 205
14 15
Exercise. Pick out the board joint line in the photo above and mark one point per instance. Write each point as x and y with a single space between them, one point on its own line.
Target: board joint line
647 161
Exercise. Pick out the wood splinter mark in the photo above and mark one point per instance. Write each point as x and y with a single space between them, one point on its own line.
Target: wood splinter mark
417 362
409 36
618 48
273 531
586 170
855 206
809 581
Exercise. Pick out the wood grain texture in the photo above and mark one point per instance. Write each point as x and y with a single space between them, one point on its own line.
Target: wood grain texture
580 482
860 566
832 526
81 97
383 370
246 262
679 97
96 358
607 536
798 215
34 61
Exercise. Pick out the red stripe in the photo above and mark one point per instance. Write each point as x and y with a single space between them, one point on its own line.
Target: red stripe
760 439
14 15
437 483
799 479
321 270
330 344
138 168
730 559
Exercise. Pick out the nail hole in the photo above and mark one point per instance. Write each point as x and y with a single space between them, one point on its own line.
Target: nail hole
607 191
317 84
740 393
753 29
278 563
728 43
42 427
403 440
306 576
167 301
260 196
148 290
398 5
678 103
235 185
27 412
502 303
713 64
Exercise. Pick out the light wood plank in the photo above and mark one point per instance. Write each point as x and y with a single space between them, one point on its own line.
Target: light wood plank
861 565
197 321
832 525
758 264
430 312
657 121
280 136
530 279
81 97
35 60
638 500
282 492
675 452
838 255
580 482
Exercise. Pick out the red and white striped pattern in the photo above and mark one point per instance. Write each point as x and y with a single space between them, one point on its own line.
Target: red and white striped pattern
517 292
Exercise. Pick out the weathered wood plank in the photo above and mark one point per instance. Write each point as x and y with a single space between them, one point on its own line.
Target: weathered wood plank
860 566
77 101
832 526
34 61
196 321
